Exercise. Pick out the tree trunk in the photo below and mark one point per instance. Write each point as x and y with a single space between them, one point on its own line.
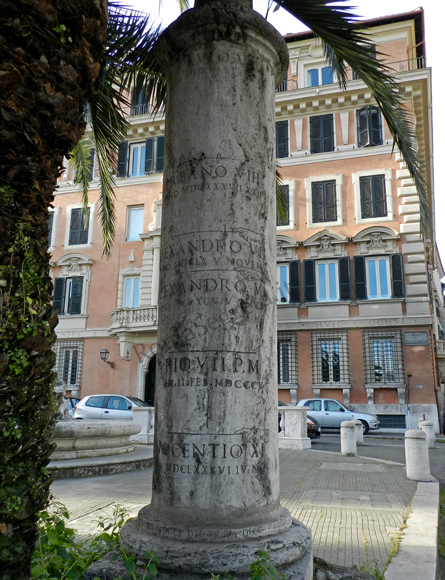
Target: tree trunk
50 59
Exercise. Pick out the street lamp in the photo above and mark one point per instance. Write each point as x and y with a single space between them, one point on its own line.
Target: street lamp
104 353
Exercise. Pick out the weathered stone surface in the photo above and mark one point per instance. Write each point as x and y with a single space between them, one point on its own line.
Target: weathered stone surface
325 571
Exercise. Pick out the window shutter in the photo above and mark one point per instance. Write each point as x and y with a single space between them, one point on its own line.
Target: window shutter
328 133
50 227
379 196
59 294
360 278
76 295
294 281
317 202
309 281
84 225
90 170
149 151
315 134
122 159
284 220
345 280
398 286
75 227
282 137
375 123
362 128
160 154
330 201
366 197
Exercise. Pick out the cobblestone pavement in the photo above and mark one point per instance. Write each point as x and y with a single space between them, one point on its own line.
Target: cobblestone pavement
353 505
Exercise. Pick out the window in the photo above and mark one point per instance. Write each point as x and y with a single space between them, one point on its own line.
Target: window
288 282
137 159
135 223
282 139
319 76
68 295
324 201
373 196
283 220
69 362
379 277
50 222
139 103
287 358
322 133
313 405
97 402
327 280
383 357
369 127
79 223
118 403
132 288
330 359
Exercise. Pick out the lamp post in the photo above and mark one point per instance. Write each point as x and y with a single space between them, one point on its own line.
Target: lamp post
104 354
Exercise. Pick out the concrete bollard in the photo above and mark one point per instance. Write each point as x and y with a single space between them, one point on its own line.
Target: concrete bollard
347 439
294 428
358 432
416 454
145 417
428 427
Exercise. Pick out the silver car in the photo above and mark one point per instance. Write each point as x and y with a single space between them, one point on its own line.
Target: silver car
107 407
330 413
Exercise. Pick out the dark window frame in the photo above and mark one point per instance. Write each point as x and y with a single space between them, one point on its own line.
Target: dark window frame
322 134
373 197
323 209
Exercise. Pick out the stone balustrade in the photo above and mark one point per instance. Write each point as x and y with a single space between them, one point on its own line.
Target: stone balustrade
130 318
145 417
293 426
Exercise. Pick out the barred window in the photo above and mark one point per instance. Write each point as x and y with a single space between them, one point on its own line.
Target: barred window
383 356
287 358
330 358
69 362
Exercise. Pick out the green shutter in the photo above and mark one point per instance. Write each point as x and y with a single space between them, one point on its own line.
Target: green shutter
330 195
366 197
50 227
317 202
59 294
160 154
75 227
362 128
379 194
375 126
309 281
90 169
345 280
282 139
315 134
328 133
360 278
76 295
122 158
149 151
83 230
294 281
398 286
284 220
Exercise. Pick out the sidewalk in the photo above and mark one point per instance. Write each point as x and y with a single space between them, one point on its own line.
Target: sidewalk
355 506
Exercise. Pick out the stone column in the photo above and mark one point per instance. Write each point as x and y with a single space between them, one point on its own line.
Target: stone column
215 500
416 454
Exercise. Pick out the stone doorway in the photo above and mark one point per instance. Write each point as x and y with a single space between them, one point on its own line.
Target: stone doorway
150 379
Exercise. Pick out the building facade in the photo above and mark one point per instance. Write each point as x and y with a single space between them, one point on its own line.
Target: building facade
359 295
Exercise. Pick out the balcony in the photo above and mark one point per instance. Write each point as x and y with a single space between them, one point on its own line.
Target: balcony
134 319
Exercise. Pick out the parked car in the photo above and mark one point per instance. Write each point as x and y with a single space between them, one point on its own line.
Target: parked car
330 413
107 406
313 427
71 402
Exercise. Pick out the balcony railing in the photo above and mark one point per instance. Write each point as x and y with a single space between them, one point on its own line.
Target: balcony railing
141 109
134 318
287 85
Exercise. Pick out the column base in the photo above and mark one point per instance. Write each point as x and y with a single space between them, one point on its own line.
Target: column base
290 551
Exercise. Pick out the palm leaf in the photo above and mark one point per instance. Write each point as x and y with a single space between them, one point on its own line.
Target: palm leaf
281 202
80 162
346 44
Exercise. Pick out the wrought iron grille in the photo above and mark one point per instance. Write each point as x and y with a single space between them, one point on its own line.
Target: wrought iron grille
330 358
287 358
383 356
69 362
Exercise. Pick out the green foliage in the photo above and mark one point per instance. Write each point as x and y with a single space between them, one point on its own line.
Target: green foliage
60 555
374 570
264 569
132 564
64 33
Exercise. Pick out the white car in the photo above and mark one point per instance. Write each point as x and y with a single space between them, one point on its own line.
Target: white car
107 407
330 413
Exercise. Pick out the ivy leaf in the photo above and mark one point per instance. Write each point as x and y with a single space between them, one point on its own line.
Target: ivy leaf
130 566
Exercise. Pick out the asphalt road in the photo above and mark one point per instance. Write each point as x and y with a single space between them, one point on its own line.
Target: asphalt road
388 449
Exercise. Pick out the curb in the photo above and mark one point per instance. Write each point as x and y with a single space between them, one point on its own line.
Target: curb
417 556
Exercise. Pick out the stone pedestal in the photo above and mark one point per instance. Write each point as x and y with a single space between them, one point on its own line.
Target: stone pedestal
347 439
294 428
428 428
215 500
145 417
417 457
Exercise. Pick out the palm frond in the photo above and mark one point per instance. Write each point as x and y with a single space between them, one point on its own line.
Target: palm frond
281 202
80 162
347 45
